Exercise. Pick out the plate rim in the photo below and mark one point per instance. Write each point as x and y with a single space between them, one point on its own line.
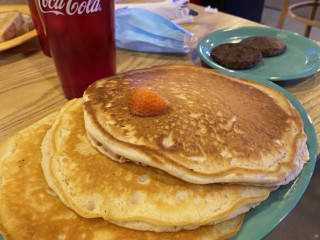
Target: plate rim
244 74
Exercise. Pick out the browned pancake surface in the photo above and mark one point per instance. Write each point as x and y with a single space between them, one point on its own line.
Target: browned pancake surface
29 209
216 127
138 197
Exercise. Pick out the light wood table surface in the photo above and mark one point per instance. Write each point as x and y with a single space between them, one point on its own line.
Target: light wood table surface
30 88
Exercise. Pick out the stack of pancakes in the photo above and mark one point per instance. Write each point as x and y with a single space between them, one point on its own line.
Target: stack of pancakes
96 171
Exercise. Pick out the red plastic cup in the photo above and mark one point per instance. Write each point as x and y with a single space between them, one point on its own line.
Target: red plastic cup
80 37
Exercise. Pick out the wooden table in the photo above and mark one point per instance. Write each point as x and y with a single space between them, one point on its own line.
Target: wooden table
30 88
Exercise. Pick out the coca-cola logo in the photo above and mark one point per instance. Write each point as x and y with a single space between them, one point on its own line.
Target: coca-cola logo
69 7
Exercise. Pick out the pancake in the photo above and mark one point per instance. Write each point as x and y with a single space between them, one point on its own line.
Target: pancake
29 209
236 56
217 128
131 195
268 46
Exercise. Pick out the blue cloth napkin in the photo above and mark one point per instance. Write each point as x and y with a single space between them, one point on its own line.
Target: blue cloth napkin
139 29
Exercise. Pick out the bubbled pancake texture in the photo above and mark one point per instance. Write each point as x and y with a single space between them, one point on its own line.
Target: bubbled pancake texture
128 194
29 209
217 128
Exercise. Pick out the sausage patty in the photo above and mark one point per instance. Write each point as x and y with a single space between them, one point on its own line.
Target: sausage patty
236 56
268 46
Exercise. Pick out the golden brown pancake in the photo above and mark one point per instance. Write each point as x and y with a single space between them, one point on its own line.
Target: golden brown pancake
131 195
217 129
29 209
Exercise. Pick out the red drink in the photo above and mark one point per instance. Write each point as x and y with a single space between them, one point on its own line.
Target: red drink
38 26
80 36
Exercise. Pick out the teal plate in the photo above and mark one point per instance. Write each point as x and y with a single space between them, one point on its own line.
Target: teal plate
301 59
261 220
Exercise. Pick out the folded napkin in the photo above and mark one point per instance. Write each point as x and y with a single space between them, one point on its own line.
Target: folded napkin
139 29
174 10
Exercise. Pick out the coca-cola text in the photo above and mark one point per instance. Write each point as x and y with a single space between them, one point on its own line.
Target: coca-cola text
69 7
